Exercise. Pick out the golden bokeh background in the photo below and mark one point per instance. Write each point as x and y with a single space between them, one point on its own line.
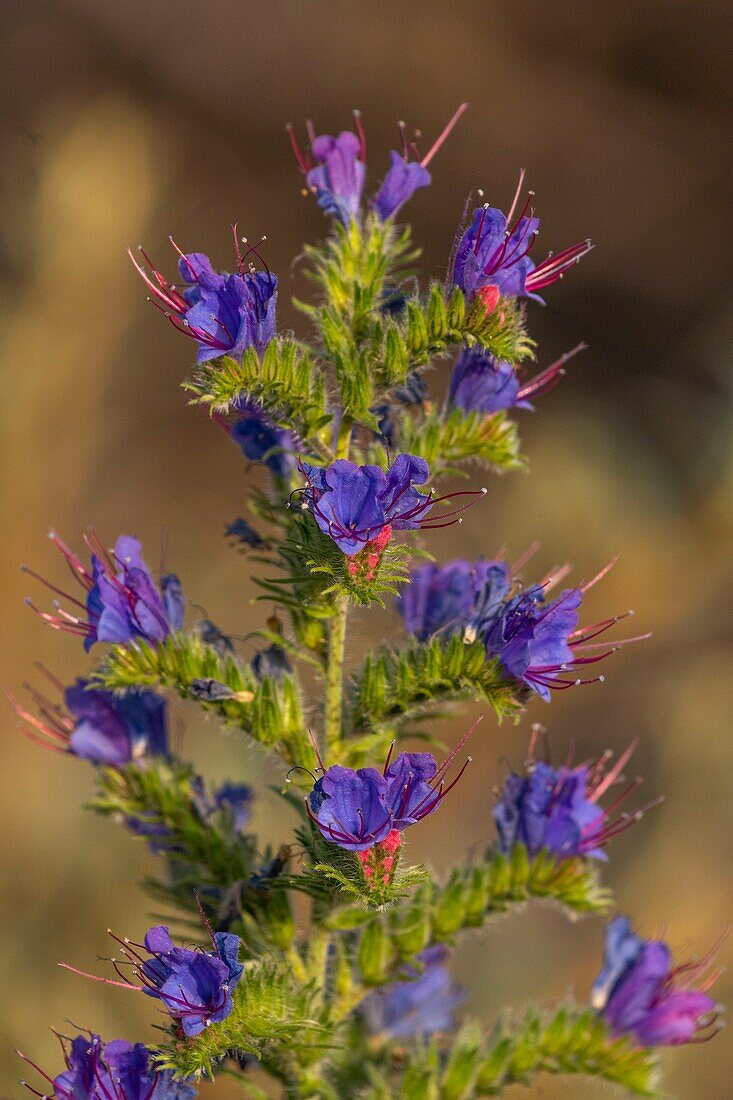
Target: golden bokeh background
126 122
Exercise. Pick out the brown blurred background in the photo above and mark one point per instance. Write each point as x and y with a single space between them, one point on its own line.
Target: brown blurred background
124 122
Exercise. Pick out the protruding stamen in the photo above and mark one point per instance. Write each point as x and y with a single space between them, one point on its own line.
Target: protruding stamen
443 135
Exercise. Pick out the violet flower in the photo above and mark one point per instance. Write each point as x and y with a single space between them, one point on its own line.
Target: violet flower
260 439
122 602
357 810
494 252
481 383
355 505
444 599
224 313
195 987
337 178
639 993
98 1071
559 809
537 641
421 1002
108 730
402 180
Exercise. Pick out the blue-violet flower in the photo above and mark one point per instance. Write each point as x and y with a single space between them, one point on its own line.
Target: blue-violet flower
484 384
420 1003
494 252
355 505
98 1071
224 313
359 809
122 600
95 725
558 809
640 993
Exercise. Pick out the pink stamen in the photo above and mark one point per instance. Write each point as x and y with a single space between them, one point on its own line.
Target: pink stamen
443 135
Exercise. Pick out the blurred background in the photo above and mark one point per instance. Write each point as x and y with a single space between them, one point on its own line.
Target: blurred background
125 122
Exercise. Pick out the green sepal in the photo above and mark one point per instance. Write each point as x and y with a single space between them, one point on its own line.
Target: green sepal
285 381
448 441
271 1012
396 685
268 710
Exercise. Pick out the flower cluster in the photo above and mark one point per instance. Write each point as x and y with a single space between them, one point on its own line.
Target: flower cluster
640 993
122 601
335 170
350 991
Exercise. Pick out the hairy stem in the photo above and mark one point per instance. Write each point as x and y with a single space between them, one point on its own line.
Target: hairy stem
335 682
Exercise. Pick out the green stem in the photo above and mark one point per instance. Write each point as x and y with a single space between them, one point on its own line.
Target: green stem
334 682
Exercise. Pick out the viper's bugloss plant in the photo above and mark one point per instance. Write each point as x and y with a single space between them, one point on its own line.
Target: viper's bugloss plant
325 960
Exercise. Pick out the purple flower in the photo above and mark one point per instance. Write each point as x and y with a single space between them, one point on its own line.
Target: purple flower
233 799
447 598
420 1003
359 809
244 533
106 729
494 252
558 809
402 180
482 383
350 807
174 600
98 1071
122 600
639 993
261 440
536 640
223 313
405 176
338 178
195 987
354 504
532 637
